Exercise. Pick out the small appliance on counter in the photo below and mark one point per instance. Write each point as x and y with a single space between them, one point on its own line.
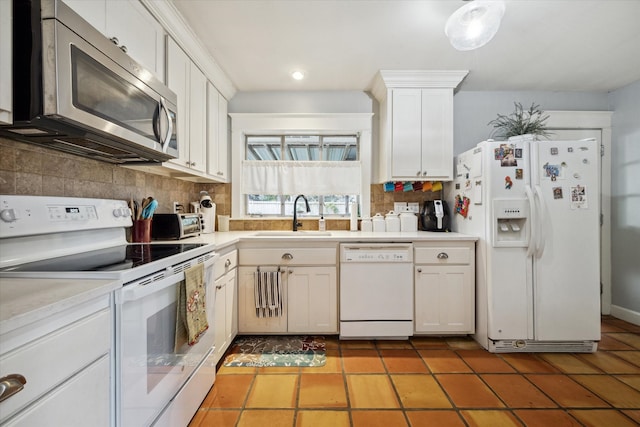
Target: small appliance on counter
435 216
208 211
177 226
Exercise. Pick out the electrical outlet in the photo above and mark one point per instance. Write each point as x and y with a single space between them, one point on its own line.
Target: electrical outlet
176 207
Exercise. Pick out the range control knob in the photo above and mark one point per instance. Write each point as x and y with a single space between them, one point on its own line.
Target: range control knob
8 215
117 212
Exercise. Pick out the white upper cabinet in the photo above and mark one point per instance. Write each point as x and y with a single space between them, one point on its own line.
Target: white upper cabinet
217 135
190 86
416 124
6 79
130 26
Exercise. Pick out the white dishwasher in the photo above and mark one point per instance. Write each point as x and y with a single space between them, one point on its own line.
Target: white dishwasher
376 290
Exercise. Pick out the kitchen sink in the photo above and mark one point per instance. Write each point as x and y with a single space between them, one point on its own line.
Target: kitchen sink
307 233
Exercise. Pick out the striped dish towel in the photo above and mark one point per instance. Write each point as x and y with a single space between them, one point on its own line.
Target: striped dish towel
267 293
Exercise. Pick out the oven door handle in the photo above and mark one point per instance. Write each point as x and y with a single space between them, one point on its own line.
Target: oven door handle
138 291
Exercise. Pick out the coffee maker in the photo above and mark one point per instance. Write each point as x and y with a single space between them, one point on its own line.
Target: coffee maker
435 216
208 210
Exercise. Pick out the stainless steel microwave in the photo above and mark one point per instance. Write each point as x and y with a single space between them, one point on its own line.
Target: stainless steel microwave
76 91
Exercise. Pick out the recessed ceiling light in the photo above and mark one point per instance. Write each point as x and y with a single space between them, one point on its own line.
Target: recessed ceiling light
297 75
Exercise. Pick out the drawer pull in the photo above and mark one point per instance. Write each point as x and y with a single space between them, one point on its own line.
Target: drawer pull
443 255
227 263
287 256
10 385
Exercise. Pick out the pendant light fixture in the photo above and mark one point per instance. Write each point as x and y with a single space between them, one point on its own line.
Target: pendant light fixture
474 24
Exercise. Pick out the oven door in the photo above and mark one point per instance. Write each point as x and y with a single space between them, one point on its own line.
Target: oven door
88 87
153 357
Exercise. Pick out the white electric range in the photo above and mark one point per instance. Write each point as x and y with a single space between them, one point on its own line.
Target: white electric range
160 379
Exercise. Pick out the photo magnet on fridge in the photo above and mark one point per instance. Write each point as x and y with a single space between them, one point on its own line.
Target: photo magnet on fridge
579 197
557 192
518 153
519 174
554 151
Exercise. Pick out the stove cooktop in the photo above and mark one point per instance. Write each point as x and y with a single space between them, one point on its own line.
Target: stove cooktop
115 259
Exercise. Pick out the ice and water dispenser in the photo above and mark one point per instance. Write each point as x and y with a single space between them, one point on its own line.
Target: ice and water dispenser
510 223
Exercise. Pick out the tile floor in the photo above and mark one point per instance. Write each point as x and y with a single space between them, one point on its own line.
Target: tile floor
437 382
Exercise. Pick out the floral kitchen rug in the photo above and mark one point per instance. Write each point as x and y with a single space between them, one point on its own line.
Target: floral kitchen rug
261 351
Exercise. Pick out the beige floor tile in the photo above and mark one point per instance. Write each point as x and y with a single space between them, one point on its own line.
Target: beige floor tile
403 361
546 418
228 391
481 361
265 417
632 380
394 344
566 392
429 342
357 344
517 392
468 391
615 392
215 417
444 361
378 419
610 342
434 419
362 361
570 364
485 418
371 391
322 391
610 363
332 366
528 363
323 418
420 391
273 391
602 418
630 356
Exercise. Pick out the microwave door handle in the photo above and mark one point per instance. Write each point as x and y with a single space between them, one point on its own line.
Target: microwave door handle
156 122
167 138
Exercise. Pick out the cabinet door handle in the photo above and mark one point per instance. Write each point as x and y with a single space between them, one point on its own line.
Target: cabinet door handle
418 173
218 286
10 385
123 48
424 173
115 40
443 255
227 263
287 256
419 270
290 271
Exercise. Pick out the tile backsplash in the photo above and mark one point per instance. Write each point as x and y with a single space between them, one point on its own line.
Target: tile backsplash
33 170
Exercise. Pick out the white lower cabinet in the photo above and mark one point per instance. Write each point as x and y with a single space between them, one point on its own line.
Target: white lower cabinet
445 288
310 290
313 300
73 386
226 301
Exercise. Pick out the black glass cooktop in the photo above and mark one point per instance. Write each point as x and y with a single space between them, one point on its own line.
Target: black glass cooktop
117 258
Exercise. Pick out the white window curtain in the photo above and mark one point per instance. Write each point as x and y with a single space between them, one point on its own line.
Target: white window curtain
296 177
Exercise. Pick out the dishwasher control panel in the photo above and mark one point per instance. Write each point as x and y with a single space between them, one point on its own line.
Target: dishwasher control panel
386 253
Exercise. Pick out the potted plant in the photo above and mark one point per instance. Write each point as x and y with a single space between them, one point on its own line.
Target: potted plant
521 122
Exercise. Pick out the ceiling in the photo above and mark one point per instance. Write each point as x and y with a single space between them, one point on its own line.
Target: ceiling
542 45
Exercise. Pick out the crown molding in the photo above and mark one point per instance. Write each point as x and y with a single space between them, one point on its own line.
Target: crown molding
424 79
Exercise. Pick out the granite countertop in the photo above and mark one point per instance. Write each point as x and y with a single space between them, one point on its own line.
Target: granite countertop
24 301
227 238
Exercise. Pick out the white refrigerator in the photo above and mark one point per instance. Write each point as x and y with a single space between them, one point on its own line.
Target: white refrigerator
534 206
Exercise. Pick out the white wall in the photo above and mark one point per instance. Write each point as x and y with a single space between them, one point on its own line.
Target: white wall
301 102
625 201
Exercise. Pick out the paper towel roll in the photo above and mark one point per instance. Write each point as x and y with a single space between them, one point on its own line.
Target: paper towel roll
353 225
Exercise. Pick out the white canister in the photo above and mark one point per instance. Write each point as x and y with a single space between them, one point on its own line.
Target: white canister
378 222
366 224
408 221
392 221
208 210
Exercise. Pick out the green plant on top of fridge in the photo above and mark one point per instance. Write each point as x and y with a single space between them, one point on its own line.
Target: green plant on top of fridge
521 122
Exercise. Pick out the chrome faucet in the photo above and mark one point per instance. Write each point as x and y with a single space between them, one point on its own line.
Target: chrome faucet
296 224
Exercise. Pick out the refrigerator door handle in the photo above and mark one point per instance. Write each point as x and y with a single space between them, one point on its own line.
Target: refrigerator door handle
533 225
541 221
